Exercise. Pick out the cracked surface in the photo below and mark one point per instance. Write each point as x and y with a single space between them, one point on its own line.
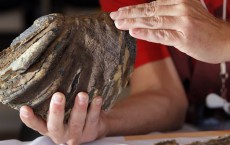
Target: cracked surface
66 54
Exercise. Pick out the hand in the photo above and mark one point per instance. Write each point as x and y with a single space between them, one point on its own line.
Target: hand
184 24
82 126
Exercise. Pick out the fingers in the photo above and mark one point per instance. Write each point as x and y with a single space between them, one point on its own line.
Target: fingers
80 120
164 22
138 12
154 3
94 110
170 2
93 114
166 37
92 126
149 10
78 116
32 121
92 120
56 116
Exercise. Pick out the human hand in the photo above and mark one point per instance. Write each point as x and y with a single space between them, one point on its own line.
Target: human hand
184 24
82 126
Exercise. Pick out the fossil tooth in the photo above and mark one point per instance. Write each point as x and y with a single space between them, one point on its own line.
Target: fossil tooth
66 54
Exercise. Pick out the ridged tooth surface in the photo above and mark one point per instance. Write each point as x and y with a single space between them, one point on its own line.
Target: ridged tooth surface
66 54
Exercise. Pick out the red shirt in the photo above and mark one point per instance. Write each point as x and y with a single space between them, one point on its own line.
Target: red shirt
147 51
198 78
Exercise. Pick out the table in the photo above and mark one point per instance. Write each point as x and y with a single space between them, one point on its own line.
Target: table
181 137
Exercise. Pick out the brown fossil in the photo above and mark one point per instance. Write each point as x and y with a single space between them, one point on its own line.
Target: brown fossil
167 142
221 140
66 54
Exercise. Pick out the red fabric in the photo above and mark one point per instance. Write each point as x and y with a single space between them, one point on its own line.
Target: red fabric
212 5
216 6
113 5
149 52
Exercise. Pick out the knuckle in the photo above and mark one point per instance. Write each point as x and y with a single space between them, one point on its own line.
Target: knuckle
77 124
150 10
55 112
92 121
153 22
128 12
186 19
162 35
53 129
158 21
187 23
166 35
129 21
184 8
148 34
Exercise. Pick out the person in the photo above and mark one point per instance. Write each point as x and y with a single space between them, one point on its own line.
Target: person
157 101
170 22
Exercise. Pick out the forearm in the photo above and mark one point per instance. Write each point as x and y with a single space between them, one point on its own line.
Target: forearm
226 42
155 112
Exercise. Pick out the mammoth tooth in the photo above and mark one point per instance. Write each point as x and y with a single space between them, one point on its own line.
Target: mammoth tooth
66 54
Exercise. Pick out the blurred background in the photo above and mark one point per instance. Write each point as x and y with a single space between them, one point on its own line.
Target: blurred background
15 17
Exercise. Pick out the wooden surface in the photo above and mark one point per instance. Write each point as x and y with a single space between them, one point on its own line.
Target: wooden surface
179 134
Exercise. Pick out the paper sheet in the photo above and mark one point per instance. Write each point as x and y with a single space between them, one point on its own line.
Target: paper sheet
107 141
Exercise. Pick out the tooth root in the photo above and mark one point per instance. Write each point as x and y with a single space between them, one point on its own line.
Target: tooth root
27 39
37 71
39 25
30 55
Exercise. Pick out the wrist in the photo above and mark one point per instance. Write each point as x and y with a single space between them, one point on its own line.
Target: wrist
106 125
111 123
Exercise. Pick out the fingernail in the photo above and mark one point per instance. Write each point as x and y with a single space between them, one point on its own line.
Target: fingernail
98 101
24 112
57 98
114 15
82 98
119 22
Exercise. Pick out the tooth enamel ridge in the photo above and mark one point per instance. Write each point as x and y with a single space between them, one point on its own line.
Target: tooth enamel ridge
66 54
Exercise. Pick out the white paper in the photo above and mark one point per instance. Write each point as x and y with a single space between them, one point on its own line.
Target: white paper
106 141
